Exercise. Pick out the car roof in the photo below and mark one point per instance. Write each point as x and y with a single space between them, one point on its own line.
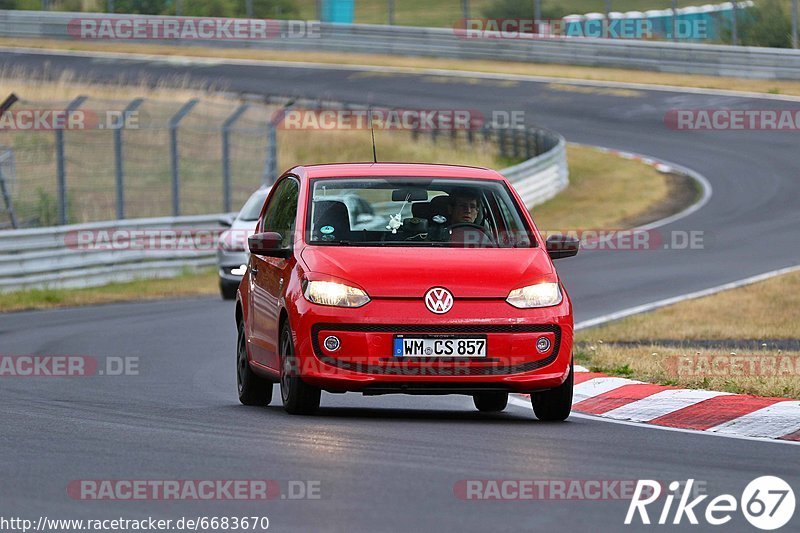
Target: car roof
422 170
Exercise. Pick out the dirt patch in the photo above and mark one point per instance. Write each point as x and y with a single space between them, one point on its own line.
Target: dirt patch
683 191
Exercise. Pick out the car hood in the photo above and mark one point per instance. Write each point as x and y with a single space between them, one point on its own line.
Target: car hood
410 272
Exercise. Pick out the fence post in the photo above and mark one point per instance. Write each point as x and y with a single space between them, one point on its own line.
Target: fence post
8 154
528 145
501 140
675 20
118 161
271 170
61 171
173 153
226 156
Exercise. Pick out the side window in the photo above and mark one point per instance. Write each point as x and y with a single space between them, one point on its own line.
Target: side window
281 212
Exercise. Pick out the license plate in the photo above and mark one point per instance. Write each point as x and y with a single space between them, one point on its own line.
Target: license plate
434 346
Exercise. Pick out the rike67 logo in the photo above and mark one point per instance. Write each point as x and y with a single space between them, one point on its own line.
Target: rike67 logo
767 502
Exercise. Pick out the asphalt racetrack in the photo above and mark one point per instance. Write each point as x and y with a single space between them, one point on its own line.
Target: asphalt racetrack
391 463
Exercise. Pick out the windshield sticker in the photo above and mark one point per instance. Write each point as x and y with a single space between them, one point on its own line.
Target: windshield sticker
326 230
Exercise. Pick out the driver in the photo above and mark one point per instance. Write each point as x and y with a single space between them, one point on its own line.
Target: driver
463 207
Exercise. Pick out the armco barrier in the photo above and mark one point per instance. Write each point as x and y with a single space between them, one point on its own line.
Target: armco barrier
43 257
715 60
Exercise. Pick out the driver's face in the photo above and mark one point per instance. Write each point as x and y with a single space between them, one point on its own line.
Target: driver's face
465 210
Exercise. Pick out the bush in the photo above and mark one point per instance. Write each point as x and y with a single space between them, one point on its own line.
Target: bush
521 9
142 7
768 23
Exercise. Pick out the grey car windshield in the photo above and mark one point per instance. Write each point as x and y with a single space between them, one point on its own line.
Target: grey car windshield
252 208
415 212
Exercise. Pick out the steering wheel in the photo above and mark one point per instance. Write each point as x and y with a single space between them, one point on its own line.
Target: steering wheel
470 225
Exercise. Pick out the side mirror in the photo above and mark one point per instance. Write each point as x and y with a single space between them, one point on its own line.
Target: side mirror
226 221
269 244
560 246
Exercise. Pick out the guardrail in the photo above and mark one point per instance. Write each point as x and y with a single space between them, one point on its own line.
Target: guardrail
61 256
716 60
58 257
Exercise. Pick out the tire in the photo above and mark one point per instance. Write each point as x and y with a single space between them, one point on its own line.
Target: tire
227 289
253 389
490 402
554 405
298 397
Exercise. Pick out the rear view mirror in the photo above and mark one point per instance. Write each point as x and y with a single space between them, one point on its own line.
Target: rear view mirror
560 246
226 221
413 195
269 244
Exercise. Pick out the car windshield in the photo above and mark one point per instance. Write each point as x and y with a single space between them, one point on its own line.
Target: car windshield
252 208
415 212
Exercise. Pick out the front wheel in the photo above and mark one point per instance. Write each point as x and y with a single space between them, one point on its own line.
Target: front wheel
490 402
554 405
298 397
253 389
227 289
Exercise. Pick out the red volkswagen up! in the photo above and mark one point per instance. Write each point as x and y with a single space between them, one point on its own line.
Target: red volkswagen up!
439 284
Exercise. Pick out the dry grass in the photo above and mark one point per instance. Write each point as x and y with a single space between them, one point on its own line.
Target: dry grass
766 310
420 63
759 312
658 364
188 284
604 192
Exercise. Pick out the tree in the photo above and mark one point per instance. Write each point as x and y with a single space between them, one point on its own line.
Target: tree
521 9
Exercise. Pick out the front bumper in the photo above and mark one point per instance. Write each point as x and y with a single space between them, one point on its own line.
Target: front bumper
364 361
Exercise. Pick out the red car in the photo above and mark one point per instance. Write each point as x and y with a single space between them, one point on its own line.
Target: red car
445 287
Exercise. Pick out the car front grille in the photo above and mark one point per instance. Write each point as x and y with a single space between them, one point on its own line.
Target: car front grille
439 366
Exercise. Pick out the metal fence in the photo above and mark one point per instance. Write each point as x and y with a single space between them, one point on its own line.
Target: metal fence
716 60
92 159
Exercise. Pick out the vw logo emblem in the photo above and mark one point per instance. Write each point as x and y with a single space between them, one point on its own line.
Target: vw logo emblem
438 300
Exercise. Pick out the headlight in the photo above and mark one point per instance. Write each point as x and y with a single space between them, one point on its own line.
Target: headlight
540 295
335 294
